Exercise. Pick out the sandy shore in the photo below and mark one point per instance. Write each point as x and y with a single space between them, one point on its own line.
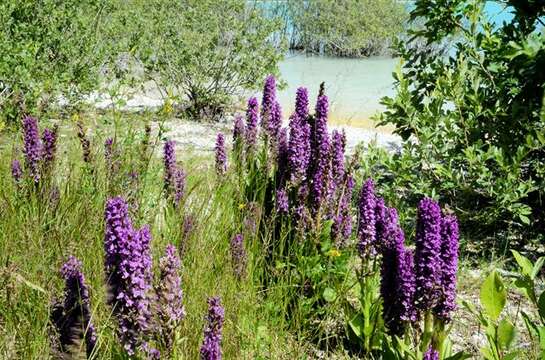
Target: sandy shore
202 136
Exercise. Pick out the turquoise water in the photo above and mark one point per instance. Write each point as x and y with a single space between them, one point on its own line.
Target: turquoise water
354 86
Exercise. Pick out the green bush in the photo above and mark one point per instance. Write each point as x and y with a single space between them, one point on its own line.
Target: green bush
352 28
473 117
206 51
48 48
201 52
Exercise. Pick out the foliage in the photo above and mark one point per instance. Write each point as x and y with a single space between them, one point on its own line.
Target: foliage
41 231
332 290
49 48
204 51
527 283
501 335
352 28
473 117
302 292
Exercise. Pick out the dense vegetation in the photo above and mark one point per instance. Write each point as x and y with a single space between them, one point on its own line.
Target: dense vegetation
48 48
350 28
199 54
117 245
474 118
278 241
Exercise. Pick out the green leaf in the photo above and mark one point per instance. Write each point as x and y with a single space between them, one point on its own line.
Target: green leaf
542 337
524 263
357 325
329 294
459 356
530 325
526 285
512 355
506 333
541 305
487 354
541 137
493 295
537 266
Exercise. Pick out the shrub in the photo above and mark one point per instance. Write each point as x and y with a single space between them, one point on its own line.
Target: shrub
473 117
206 51
352 28
48 48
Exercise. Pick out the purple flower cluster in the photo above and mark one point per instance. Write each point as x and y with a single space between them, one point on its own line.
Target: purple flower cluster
239 129
367 218
238 256
268 102
211 346
449 267
282 156
282 204
321 171
32 147
338 145
301 103
299 151
275 120
252 217
49 140
72 317
128 272
252 119
427 254
406 286
421 281
310 167
431 354
170 309
179 185
174 175
169 291
16 171
221 155
397 276
169 160
39 153
380 225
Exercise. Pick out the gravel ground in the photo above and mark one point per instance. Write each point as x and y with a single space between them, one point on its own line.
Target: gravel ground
202 136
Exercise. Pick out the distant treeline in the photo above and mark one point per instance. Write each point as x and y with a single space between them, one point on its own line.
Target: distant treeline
351 28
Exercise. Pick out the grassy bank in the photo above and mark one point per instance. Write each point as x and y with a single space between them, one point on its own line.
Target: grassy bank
306 289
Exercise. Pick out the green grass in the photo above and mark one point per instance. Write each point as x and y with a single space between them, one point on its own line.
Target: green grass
36 239
261 321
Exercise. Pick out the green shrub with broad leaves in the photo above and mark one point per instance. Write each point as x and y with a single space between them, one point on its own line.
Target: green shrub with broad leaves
502 337
208 52
473 118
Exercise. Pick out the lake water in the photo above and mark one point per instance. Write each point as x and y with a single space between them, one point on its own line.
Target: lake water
354 86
